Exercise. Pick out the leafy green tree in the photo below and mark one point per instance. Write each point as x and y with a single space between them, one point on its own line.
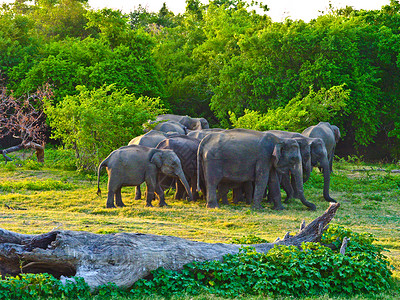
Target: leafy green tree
299 113
98 121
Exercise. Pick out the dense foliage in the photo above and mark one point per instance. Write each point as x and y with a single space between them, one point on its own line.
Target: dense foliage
96 122
284 270
217 60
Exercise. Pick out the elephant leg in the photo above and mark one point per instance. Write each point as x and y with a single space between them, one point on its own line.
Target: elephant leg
118 198
193 188
274 190
151 187
222 194
160 194
260 184
237 194
110 199
138 193
327 179
248 191
180 191
287 187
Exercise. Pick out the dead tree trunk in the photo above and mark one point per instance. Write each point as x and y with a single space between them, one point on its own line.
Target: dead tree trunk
30 145
123 258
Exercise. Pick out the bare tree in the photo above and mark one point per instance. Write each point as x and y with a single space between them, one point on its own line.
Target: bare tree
24 119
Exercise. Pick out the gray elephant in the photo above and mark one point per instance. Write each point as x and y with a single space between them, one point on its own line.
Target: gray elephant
318 157
330 134
151 139
286 180
134 164
185 148
323 158
171 126
189 122
200 134
241 155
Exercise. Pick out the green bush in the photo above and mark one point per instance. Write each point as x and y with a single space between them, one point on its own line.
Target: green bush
42 286
284 270
96 122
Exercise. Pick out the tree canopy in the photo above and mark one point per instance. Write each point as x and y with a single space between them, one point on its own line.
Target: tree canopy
224 61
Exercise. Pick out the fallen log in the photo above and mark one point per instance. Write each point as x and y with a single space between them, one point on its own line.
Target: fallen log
123 258
25 145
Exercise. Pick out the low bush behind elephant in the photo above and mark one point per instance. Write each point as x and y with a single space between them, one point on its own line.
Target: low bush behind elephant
134 164
189 122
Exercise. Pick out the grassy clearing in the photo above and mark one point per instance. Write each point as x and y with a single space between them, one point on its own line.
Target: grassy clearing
37 199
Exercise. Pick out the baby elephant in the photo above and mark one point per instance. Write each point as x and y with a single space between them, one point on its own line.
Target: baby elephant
132 165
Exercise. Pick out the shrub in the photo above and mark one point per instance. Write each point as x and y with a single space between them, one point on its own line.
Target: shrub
96 122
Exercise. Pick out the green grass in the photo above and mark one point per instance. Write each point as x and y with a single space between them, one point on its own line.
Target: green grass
37 198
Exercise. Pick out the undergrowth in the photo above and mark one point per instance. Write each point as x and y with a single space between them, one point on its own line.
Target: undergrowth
283 271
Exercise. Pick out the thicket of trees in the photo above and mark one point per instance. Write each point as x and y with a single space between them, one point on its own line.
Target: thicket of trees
223 61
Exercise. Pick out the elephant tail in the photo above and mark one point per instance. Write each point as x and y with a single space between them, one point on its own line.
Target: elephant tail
102 165
199 155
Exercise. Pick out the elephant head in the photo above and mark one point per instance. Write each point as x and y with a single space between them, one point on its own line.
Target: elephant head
286 157
168 163
204 123
194 123
336 132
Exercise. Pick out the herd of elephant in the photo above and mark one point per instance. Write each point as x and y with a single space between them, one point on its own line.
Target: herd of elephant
184 151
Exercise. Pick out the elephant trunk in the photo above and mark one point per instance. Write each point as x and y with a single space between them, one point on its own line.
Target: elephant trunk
326 171
182 178
297 173
307 170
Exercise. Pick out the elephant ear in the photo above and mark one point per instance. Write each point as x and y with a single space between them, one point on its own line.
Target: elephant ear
277 153
336 132
157 159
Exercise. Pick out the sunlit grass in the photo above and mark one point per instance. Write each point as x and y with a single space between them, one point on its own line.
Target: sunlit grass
48 197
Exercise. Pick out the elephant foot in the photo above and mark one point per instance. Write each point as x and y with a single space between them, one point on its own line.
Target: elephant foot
149 205
161 204
257 207
138 198
329 199
311 206
121 205
279 207
212 205
111 206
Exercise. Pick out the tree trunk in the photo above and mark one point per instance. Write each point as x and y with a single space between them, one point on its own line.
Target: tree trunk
123 258
30 145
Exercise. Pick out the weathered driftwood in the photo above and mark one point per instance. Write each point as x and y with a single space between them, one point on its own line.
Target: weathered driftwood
122 258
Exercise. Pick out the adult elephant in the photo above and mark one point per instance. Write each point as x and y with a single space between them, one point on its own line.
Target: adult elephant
171 126
134 164
189 122
286 180
330 134
242 155
200 134
185 148
318 157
